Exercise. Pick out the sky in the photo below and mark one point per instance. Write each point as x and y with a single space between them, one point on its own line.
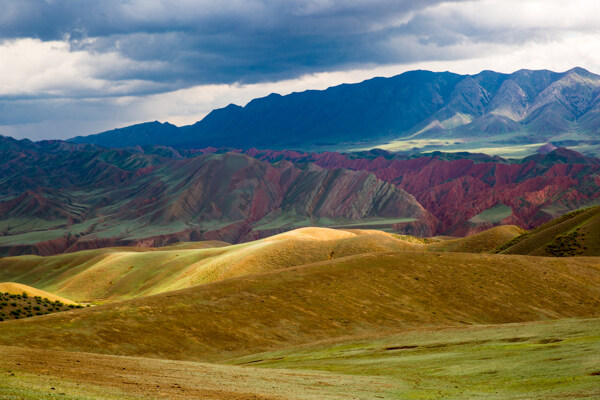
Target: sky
78 67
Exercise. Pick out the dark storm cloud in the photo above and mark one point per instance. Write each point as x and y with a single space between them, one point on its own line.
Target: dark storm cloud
198 42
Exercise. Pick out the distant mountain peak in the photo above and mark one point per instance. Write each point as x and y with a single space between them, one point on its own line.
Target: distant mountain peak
547 148
580 71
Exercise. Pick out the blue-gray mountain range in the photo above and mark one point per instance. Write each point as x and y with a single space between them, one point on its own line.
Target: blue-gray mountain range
489 108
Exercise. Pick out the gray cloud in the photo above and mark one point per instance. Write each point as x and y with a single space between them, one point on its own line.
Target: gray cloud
162 45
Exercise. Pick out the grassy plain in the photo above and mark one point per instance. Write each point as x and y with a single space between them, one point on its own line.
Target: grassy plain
539 360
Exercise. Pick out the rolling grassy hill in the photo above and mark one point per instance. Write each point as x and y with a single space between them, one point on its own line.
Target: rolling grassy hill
360 294
111 274
482 242
313 313
574 234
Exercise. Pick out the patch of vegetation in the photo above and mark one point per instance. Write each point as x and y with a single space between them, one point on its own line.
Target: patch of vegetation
413 239
566 245
18 306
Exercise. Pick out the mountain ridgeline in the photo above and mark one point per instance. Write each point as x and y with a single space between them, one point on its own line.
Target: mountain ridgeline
493 108
58 196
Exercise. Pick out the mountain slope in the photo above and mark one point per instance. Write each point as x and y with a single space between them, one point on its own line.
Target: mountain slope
56 196
468 194
76 197
487 109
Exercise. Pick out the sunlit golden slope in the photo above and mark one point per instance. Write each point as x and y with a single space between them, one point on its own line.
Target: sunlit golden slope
121 273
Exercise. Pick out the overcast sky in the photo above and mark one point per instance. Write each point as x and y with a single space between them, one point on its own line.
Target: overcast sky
72 67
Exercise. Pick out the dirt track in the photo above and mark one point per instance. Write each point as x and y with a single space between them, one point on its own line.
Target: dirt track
129 377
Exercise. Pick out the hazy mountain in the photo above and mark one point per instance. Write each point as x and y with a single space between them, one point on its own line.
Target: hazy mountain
494 108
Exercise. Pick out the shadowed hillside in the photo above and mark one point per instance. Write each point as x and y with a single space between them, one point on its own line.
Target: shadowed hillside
574 234
482 242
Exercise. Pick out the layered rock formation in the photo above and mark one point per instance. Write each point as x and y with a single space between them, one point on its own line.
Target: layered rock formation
54 200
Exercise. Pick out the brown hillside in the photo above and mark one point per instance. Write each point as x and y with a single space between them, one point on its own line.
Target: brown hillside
111 274
368 293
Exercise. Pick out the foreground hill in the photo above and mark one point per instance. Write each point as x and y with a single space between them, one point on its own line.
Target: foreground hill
488 109
111 274
539 360
574 234
360 294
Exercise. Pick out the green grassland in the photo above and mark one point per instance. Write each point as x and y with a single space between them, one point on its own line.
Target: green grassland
493 215
544 360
